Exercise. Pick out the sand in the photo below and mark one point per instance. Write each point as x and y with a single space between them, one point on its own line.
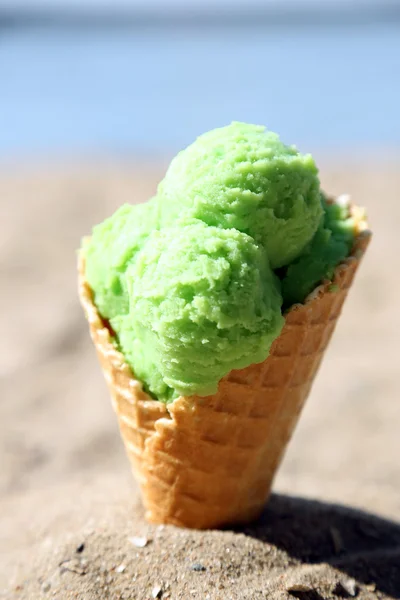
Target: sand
329 531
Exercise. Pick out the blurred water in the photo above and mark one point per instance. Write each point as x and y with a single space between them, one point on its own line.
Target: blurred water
155 89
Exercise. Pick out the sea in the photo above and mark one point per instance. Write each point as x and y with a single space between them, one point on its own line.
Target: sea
152 89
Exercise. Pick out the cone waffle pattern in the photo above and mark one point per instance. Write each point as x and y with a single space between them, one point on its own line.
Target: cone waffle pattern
207 462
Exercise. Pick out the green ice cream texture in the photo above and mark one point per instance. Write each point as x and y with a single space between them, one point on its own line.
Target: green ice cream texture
244 177
194 282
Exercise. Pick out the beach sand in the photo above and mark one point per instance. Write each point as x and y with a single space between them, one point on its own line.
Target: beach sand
69 506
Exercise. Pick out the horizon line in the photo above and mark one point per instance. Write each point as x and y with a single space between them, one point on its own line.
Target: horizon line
104 18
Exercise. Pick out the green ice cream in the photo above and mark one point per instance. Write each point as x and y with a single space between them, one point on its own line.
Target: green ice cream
203 301
242 176
330 245
194 282
111 248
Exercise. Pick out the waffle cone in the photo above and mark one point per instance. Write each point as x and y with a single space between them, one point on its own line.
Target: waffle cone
204 462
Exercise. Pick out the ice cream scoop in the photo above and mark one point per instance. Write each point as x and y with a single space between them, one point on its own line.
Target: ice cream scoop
330 245
202 301
242 176
113 246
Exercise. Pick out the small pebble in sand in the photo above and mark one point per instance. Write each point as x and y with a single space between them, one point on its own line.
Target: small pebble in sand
139 542
156 592
73 565
46 586
298 587
120 569
80 548
348 586
198 567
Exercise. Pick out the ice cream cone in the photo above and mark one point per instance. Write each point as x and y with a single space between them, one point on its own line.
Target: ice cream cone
210 461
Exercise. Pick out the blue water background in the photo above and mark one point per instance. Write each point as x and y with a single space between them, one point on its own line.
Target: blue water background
152 90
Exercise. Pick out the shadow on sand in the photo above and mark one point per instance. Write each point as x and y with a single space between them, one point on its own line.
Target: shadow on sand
361 545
